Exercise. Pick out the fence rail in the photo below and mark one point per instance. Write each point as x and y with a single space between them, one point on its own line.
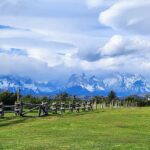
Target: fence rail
21 109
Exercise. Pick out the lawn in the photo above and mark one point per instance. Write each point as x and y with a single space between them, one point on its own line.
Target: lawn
107 129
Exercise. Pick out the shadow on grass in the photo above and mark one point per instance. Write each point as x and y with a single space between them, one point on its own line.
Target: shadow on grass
13 120
8 121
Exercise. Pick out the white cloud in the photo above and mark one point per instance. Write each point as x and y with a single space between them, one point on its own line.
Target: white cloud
124 54
128 15
65 36
46 34
115 46
121 45
24 66
95 3
50 52
102 64
100 3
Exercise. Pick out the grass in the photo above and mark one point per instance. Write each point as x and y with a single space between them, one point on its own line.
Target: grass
109 129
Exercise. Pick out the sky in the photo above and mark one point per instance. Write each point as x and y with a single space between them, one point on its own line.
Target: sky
52 39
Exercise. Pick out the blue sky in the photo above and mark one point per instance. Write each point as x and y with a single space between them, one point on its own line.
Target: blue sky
44 39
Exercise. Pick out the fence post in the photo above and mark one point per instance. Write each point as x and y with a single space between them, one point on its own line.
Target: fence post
18 109
46 108
89 106
77 107
40 110
43 109
54 107
71 107
62 107
1 110
83 106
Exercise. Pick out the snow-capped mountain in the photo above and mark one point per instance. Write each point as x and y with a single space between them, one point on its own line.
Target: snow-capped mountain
127 84
27 86
90 85
11 83
122 84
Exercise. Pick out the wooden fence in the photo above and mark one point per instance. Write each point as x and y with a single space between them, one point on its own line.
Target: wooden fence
22 109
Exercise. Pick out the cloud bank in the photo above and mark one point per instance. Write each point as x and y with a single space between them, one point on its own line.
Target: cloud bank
42 38
128 15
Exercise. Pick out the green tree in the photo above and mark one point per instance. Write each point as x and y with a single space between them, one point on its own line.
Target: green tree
31 99
130 99
111 96
8 98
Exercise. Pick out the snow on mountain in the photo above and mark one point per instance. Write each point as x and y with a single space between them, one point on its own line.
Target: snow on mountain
96 84
92 84
126 84
11 83
27 86
122 84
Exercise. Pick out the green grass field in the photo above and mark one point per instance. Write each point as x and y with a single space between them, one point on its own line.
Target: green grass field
109 129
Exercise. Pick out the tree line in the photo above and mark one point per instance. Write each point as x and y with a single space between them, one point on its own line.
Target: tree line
9 98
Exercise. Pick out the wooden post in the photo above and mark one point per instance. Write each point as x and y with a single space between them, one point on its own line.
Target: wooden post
136 105
110 105
54 107
43 109
119 104
95 104
1 110
77 107
18 109
83 107
46 109
104 105
89 106
124 104
116 104
62 107
40 110
71 107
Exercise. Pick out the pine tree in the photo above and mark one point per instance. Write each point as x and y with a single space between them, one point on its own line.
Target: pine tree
111 95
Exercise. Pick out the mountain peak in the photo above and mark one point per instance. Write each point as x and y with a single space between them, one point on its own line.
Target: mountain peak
79 84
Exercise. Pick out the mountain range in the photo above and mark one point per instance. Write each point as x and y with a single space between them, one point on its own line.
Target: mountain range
79 84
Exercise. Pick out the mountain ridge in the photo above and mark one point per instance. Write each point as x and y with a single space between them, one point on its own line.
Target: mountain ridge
79 84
